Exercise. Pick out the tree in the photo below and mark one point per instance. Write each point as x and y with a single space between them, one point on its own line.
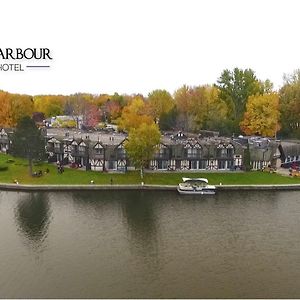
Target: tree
13 107
182 100
289 96
21 106
235 88
160 102
5 110
141 143
38 117
112 110
200 107
91 117
262 115
167 120
206 108
134 114
28 142
247 159
50 105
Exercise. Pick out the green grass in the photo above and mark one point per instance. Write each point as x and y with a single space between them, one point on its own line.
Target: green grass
18 169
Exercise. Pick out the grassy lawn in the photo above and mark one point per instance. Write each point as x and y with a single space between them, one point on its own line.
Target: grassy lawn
18 169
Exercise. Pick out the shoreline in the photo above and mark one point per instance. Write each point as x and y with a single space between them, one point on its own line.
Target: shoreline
128 187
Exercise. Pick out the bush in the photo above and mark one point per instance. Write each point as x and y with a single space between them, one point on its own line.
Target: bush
10 161
3 168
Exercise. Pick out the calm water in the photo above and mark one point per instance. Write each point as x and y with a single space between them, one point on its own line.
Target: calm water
149 244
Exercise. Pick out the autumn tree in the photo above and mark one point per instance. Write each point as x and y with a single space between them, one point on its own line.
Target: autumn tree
5 110
21 106
28 142
215 110
160 102
182 98
49 105
101 99
262 115
141 143
134 114
200 107
13 107
38 117
91 117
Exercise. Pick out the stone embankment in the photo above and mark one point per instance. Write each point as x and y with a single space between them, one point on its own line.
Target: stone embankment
94 187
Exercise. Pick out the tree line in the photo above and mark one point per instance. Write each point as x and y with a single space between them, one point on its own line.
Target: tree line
238 103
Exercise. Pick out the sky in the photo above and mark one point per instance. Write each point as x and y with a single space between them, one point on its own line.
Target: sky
137 46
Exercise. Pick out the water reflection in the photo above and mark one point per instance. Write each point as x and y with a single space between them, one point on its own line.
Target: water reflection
140 217
136 208
33 216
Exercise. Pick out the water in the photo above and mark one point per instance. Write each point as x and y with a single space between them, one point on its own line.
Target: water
149 245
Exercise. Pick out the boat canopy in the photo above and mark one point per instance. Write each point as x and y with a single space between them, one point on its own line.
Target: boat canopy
187 180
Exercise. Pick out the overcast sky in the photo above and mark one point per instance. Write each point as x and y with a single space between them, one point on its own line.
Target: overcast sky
136 46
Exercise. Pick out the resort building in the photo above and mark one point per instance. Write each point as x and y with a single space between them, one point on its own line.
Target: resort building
176 152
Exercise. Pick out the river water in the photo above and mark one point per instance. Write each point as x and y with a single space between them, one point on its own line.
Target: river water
149 244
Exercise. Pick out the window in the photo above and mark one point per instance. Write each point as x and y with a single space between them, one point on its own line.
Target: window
99 149
81 148
121 153
161 152
202 164
192 152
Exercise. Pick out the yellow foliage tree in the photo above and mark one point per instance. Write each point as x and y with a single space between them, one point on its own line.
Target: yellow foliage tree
14 107
5 110
50 105
21 106
141 143
134 114
160 101
262 115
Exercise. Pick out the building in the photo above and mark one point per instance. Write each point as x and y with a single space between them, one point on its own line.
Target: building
180 152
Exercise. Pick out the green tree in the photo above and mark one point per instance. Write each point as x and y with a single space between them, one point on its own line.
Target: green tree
167 120
235 88
289 96
247 160
28 142
141 143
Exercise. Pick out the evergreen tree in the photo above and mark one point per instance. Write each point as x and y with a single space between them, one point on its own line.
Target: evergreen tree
28 142
247 160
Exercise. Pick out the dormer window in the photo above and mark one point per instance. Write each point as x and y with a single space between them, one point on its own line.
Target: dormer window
57 145
98 149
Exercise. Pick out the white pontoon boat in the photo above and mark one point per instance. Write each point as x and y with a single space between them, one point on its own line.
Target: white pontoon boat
194 186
